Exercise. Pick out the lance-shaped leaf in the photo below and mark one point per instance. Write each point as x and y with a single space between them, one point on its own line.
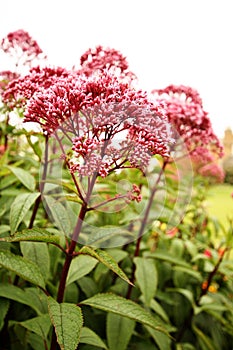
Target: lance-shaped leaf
107 260
67 320
12 292
87 336
39 325
22 267
38 253
4 306
127 308
147 277
20 207
33 235
80 266
24 177
119 331
59 213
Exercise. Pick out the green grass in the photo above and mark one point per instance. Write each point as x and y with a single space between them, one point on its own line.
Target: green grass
220 203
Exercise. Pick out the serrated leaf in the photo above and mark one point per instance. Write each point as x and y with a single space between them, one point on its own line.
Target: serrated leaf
127 308
4 306
87 336
67 320
80 266
24 177
20 266
12 292
106 259
39 325
119 331
33 235
20 207
146 277
59 214
38 253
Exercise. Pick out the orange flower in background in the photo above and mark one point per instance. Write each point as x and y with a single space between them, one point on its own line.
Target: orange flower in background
172 232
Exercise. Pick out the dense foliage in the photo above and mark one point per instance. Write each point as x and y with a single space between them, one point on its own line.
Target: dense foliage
105 242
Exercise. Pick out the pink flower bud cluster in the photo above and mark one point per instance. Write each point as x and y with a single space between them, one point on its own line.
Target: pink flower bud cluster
101 58
20 45
185 112
135 194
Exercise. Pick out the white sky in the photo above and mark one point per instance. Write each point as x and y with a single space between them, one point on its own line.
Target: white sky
166 42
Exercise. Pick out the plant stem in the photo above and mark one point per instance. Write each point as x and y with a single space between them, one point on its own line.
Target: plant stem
142 227
69 255
70 252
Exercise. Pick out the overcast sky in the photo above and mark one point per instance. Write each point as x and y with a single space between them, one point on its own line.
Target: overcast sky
166 42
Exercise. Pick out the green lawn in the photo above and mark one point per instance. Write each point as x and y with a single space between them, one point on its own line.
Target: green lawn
220 202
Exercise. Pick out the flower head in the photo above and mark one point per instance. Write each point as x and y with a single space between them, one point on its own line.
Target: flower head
191 122
21 46
101 58
110 122
20 90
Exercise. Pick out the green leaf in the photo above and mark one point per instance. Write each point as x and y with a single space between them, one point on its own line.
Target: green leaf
38 253
127 308
87 336
88 286
146 277
20 207
35 341
168 258
12 292
22 267
79 267
24 177
119 331
59 214
157 308
4 306
161 339
67 320
106 236
185 292
106 259
189 271
33 235
39 325
205 341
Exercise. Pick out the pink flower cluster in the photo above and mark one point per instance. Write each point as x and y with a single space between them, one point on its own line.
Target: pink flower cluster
101 58
185 112
21 46
213 171
22 89
6 77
